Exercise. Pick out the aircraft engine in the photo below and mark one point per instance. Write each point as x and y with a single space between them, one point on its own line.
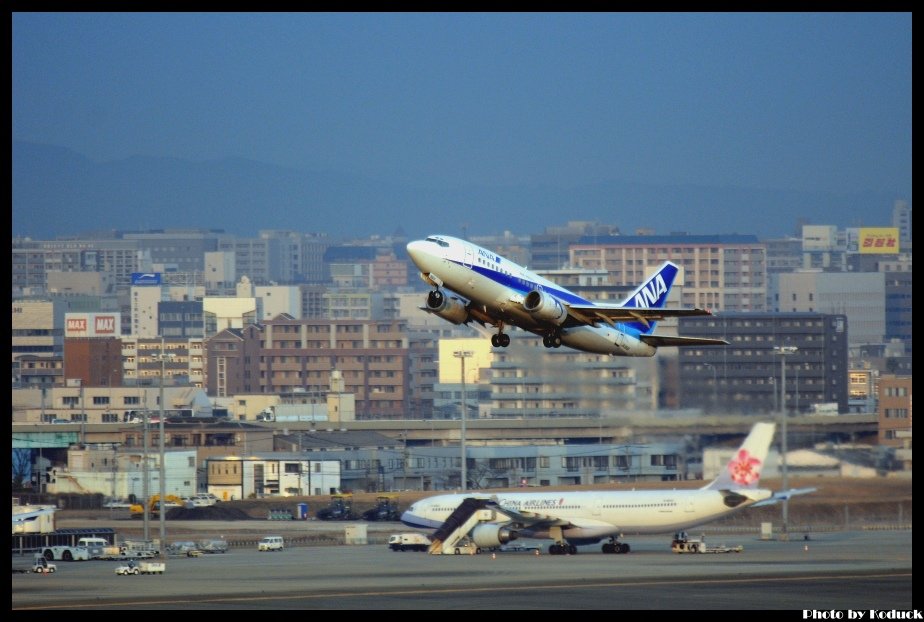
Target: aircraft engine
545 307
489 536
450 309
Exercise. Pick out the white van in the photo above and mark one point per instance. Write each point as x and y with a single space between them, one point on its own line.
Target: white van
271 543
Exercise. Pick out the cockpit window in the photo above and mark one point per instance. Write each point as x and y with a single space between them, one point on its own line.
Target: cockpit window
439 241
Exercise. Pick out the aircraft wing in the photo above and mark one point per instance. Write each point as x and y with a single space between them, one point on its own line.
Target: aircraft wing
528 518
532 520
610 314
659 340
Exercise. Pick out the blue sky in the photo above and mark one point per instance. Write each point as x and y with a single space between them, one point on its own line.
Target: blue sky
808 102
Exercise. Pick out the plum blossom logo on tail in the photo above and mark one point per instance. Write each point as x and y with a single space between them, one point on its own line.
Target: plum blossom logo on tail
744 468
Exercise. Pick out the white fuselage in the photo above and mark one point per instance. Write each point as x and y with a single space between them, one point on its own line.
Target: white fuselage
594 514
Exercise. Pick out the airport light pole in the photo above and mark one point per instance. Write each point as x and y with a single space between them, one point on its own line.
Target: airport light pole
145 493
163 356
462 355
783 352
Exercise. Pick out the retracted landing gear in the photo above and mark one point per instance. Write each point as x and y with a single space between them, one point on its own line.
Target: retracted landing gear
615 547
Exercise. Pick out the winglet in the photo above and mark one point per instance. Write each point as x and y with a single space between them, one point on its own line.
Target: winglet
745 467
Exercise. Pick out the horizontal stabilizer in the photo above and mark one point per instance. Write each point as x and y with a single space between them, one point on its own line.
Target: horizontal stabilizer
783 495
662 340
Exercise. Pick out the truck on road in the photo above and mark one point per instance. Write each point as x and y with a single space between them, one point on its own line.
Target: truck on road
408 542
282 413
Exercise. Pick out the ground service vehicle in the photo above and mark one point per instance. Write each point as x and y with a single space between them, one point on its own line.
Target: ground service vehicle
182 548
408 542
66 553
386 509
683 543
212 546
42 565
141 568
340 508
99 548
271 543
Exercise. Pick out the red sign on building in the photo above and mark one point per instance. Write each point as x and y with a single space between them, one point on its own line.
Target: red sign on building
105 325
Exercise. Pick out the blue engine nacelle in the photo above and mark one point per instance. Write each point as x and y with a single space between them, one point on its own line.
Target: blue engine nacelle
545 307
490 535
450 309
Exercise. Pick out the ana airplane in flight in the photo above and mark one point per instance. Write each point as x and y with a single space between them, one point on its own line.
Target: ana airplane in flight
572 518
472 283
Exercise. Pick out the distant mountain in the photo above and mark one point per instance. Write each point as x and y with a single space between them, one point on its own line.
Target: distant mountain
58 192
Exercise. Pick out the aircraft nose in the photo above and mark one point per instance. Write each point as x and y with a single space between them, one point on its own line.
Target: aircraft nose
417 250
409 519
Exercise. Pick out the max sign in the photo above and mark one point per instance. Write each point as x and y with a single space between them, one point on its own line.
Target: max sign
91 324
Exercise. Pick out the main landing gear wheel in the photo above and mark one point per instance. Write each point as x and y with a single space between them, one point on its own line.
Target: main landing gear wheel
500 340
615 548
551 341
562 549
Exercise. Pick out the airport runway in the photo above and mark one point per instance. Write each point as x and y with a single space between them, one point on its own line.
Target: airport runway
838 570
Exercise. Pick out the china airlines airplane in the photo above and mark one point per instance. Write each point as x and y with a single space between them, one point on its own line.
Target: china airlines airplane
572 518
472 283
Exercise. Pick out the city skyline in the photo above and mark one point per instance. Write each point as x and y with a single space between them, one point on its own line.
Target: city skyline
458 121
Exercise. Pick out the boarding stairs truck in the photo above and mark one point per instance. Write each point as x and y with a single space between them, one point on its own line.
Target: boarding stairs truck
468 530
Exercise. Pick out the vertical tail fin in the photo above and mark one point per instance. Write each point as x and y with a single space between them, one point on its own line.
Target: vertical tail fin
745 467
652 294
